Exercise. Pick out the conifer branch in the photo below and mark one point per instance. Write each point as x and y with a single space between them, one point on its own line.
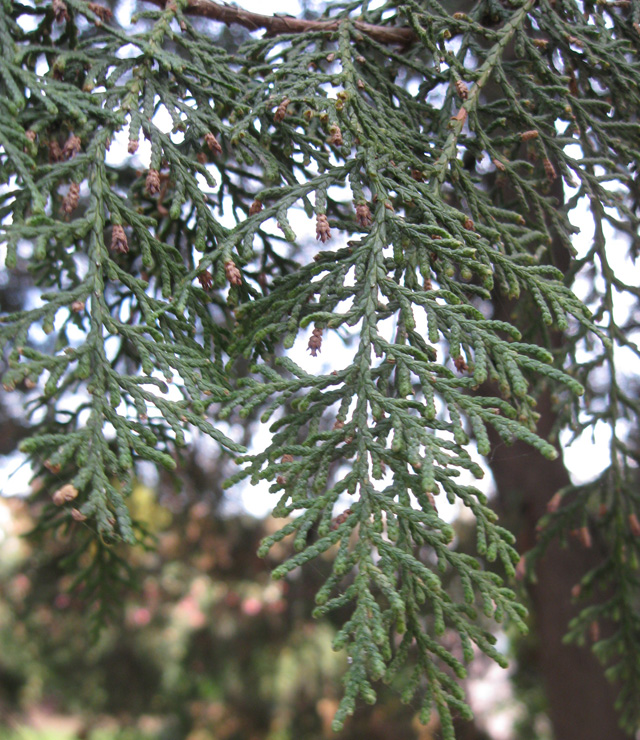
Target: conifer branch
154 300
282 24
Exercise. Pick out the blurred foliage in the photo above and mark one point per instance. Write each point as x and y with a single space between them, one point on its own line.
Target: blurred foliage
208 647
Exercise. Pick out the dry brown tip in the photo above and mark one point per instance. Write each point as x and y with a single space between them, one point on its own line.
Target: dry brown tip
323 232
584 536
541 43
65 494
528 135
71 146
212 143
153 182
70 200
55 151
363 216
119 241
462 89
549 169
60 12
205 279
335 135
104 14
315 341
461 365
232 272
281 111
461 115
554 502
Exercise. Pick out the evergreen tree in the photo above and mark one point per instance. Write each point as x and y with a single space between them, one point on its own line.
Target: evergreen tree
441 155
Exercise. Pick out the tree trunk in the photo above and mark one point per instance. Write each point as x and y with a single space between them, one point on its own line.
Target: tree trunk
580 699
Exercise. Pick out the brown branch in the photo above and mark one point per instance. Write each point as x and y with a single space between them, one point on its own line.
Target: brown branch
277 24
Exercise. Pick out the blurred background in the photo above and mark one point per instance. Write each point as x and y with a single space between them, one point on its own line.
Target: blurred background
207 647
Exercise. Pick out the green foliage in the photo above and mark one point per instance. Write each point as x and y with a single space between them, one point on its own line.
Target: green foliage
442 161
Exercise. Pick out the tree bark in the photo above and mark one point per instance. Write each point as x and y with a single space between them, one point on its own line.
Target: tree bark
580 698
